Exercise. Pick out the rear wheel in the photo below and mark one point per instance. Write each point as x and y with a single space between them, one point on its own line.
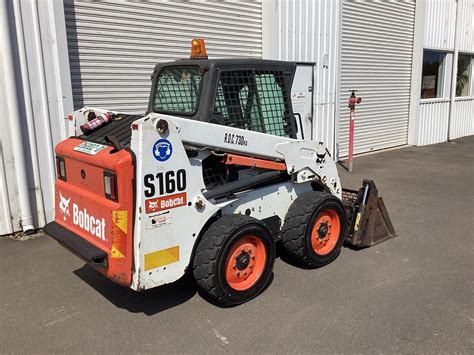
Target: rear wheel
314 227
234 259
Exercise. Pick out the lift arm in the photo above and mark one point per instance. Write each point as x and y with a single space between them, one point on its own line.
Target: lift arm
305 160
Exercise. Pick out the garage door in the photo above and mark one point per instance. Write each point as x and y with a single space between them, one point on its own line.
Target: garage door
114 46
376 59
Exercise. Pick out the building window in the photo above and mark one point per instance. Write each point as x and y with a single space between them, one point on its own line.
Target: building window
432 74
464 73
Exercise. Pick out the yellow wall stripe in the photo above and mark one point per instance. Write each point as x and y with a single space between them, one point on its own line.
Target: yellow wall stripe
161 257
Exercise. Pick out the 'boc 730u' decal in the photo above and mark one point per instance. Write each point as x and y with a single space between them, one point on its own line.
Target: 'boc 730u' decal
164 182
236 139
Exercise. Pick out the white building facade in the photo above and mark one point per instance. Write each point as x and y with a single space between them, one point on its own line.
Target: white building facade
411 62
446 102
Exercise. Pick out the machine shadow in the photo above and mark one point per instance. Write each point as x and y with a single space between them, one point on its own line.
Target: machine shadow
213 302
283 257
280 253
149 302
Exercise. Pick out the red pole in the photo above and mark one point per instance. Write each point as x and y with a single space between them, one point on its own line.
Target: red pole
353 100
351 138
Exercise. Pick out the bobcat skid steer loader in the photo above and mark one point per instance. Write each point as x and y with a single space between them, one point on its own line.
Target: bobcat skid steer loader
218 170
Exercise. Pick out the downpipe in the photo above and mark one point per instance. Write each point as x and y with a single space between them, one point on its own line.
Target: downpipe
13 117
454 73
29 115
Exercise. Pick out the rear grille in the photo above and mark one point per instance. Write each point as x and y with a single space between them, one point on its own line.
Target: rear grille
119 128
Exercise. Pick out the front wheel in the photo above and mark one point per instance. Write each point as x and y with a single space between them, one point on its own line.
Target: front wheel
234 259
314 227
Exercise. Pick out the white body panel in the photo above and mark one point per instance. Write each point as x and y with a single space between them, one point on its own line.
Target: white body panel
182 224
159 226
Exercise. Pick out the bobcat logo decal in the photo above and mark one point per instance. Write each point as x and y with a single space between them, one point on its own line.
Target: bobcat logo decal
64 205
152 204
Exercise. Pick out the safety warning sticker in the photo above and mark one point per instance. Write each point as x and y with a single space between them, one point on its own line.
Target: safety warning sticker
90 148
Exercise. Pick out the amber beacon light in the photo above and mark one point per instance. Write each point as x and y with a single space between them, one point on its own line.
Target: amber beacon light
198 49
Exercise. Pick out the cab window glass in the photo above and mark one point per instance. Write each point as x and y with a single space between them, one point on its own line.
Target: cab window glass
177 90
253 100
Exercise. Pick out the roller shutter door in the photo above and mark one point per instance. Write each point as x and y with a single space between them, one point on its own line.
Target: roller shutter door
376 59
114 46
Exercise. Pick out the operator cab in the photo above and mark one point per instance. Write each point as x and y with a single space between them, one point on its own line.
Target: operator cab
252 94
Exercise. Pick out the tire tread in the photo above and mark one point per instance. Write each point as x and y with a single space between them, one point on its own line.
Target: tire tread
294 227
208 251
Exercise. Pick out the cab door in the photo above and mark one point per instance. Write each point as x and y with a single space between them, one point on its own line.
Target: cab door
302 99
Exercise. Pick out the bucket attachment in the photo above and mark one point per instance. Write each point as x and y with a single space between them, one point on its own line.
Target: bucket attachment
368 220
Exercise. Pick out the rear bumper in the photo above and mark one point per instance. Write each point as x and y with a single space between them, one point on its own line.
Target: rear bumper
79 246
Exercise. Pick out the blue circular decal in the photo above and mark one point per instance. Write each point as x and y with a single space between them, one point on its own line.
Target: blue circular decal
162 150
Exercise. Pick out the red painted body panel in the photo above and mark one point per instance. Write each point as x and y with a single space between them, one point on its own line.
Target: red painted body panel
81 205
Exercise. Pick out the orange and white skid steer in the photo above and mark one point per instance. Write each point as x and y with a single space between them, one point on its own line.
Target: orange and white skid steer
220 168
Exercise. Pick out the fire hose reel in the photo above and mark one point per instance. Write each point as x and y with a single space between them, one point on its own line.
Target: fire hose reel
353 100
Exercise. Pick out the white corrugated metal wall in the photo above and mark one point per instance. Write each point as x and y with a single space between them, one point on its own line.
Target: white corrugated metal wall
376 59
114 46
466 25
439 24
439 34
308 31
434 123
462 120
44 96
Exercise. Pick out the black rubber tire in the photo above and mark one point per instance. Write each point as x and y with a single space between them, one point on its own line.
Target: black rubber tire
212 251
296 231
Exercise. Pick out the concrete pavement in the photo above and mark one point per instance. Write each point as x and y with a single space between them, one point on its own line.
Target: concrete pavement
411 294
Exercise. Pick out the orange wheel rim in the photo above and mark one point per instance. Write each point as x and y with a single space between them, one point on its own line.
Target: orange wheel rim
326 231
245 263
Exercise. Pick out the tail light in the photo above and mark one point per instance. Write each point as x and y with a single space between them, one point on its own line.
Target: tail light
110 186
61 168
